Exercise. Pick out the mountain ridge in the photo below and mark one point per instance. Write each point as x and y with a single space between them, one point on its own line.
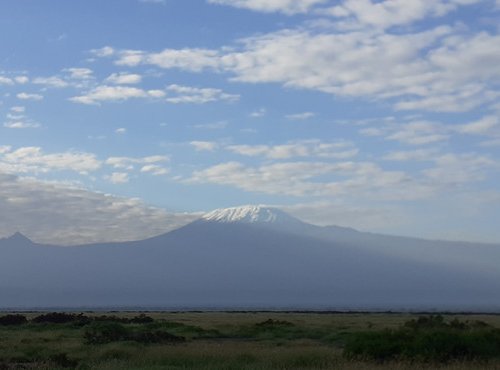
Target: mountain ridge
260 263
269 216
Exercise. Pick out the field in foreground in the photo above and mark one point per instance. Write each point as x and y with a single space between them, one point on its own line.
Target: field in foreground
263 340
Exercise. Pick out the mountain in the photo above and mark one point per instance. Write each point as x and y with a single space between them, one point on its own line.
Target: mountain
251 214
253 257
16 239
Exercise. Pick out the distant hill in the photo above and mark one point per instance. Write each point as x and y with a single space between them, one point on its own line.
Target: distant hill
253 257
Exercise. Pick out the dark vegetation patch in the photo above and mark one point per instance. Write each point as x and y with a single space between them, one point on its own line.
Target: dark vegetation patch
12 320
428 339
139 319
61 360
107 332
61 318
188 331
270 323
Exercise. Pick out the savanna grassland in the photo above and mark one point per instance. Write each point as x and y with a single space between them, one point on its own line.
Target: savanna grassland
246 340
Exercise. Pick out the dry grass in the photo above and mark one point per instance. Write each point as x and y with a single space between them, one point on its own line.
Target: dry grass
313 342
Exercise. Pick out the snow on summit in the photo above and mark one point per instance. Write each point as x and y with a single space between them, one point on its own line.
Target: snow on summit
249 214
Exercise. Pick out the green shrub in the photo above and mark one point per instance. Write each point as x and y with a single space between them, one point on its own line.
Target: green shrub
61 318
270 323
428 339
61 360
11 320
141 319
105 332
156 336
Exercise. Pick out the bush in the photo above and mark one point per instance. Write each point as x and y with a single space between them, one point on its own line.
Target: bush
140 319
157 336
426 322
105 332
61 318
61 360
270 323
428 339
8 320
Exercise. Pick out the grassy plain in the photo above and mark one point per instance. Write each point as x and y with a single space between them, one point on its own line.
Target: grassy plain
211 341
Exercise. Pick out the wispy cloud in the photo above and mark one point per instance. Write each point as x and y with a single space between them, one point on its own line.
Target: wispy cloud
300 116
52 81
115 93
124 78
77 215
209 146
303 148
33 159
118 178
28 96
414 70
21 124
196 95
284 6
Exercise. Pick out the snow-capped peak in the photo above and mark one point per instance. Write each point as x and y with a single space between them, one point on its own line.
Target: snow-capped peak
249 214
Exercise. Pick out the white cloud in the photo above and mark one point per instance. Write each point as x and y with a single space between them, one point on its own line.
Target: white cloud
209 146
18 109
195 95
129 162
53 81
69 215
440 69
302 179
124 78
80 73
348 180
419 133
155 169
220 125
6 81
27 96
261 112
412 155
34 160
121 130
195 60
480 127
103 52
388 13
157 94
21 124
118 178
300 116
411 133
114 93
269 6
457 169
21 79
305 148
130 58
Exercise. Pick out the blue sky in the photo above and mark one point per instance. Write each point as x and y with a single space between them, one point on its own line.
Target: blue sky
124 119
